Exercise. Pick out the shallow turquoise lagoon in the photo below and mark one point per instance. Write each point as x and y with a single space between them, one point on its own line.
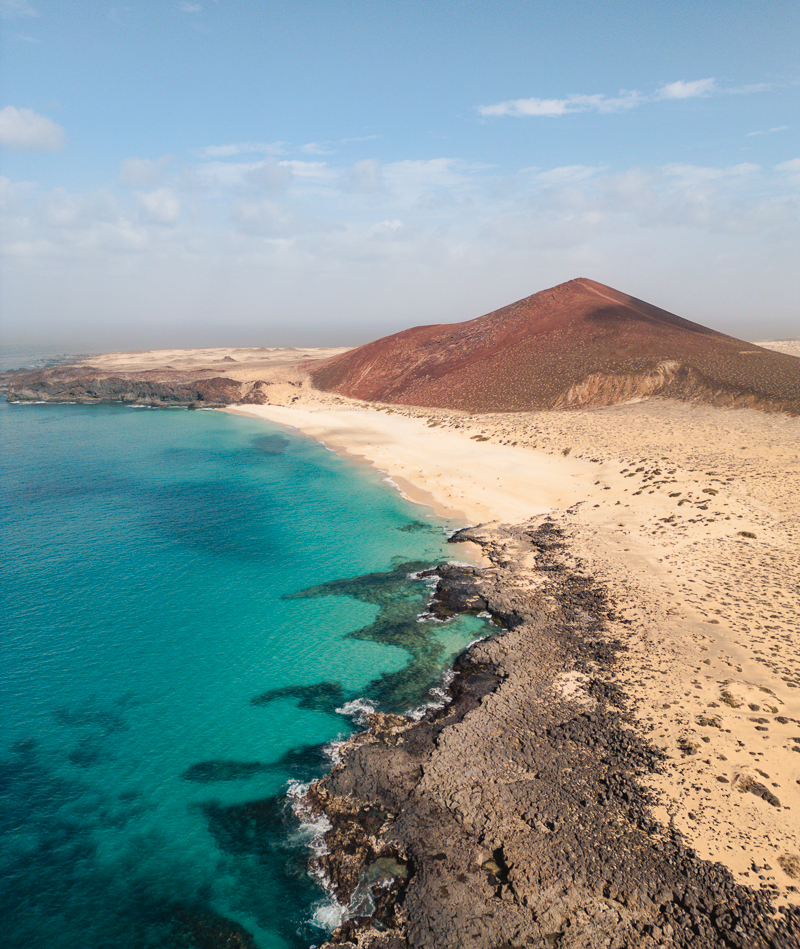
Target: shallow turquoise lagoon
187 599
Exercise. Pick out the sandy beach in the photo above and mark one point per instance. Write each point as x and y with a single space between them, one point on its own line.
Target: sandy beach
689 516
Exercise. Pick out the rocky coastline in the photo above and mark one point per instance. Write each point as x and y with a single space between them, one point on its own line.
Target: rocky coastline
88 387
515 815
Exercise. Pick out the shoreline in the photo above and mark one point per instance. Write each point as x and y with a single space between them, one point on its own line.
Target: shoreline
412 492
685 515
437 465
517 814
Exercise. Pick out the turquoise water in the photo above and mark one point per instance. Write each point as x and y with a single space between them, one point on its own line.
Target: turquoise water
188 597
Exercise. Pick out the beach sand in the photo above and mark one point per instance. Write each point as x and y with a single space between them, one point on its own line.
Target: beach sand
690 517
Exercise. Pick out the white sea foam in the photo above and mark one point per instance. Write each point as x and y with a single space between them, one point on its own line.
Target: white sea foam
430 581
333 750
438 697
327 913
313 827
358 710
389 480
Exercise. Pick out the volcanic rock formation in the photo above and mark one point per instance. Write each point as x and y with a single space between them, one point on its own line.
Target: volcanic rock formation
516 816
87 385
197 378
578 344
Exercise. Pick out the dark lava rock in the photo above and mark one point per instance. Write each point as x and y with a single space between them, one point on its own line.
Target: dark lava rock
519 814
457 591
89 386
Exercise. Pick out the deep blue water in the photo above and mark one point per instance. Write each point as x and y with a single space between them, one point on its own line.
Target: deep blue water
187 599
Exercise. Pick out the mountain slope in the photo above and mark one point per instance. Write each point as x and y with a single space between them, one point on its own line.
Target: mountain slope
578 344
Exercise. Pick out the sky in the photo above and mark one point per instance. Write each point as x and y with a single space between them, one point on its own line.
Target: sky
257 173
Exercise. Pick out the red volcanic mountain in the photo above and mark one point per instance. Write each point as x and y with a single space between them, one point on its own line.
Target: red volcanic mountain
578 344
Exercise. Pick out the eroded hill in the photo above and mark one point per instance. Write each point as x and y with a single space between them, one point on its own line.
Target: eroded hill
578 344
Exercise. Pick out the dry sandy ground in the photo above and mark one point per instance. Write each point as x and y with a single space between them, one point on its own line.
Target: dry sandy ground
690 515
789 346
245 364
244 361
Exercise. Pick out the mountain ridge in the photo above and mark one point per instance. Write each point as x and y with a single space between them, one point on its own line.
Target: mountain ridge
578 344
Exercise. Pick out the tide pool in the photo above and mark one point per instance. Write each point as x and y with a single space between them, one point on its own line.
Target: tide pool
187 599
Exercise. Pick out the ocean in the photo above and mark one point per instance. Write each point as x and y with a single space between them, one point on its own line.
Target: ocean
195 608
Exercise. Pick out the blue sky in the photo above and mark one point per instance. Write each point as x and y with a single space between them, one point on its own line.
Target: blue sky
233 172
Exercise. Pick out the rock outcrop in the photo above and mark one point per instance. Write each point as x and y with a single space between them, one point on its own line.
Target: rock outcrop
82 384
514 816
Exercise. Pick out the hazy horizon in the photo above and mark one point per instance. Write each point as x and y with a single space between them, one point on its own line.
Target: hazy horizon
201 173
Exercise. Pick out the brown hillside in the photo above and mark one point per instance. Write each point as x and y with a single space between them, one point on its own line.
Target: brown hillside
578 344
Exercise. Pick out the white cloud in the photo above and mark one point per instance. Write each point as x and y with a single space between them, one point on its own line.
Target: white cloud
564 174
598 102
791 169
9 196
142 172
317 148
190 7
777 128
364 176
159 207
703 173
687 90
26 129
753 87
270 176
430 173
438 238
572 103
240 148
266 218
274 175
387 230
77 212
319 171
11 9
